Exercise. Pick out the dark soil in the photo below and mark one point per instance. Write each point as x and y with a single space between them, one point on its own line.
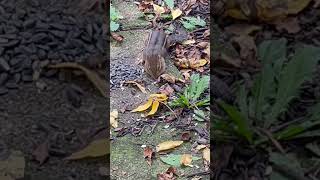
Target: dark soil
235 160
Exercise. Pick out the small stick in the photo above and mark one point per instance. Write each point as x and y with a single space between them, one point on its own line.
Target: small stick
170 110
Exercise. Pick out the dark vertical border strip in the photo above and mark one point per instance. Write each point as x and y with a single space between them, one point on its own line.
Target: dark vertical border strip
211 89
106 29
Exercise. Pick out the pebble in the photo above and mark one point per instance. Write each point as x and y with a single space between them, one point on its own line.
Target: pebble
4 65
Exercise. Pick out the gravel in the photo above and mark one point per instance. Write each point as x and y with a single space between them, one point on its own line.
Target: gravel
36 33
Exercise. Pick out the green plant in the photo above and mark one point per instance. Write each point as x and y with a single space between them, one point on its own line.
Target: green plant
274 88
190 23
114 17
191 97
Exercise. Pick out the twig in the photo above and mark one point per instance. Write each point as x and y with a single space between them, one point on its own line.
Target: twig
170 110
273 140
154 127
199 173
275 129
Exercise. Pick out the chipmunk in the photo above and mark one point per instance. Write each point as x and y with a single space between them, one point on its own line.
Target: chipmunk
155 53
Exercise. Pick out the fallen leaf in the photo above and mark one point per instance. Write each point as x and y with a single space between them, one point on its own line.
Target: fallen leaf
175 159
13 166
113 116
199 147
97 148
206 154
167 90
186 160
144 106
242 29
142 89
248 49
206 33
153 101
198 63
168 145
117 37
147 153
169 78
158 9
189 41
291 25
154 108
202 45
176 113
176 13
99 83
41 153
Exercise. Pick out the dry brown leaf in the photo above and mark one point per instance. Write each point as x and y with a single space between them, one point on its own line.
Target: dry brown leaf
168 145
247 45
176 13
142 89
264 10
206 154
113 117
117 37
169 78
291 25
99 83
97 148
167 90
202 45
206 33
242 29
186 160
147 153
41 153
189 41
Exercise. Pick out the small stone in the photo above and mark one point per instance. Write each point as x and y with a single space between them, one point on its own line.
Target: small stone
4 65
3 90
3 78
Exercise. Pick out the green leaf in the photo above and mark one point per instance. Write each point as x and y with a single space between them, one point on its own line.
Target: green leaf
188 26
287 166
195 21
169 3
299 69
241 124
114 26
174 159
242 101
114 14
314 148
199 115
270 52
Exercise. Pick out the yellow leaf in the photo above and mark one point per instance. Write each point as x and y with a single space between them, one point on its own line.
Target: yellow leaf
113 117
158 9
96 148
199 63
159 97
186 160
154 108
189 41
176 13
206 154
144 106
168 145
199 147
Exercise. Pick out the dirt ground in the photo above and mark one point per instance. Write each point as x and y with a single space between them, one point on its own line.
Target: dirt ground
30 117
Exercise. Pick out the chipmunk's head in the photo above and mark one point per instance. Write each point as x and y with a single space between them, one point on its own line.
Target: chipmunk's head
154 63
